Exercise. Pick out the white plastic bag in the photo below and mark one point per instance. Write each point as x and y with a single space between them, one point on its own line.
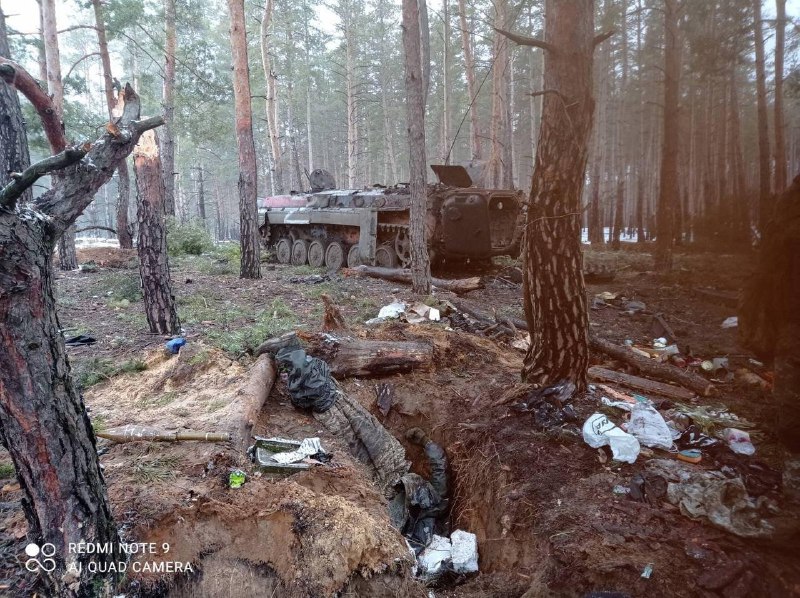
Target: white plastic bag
432 559
599 431
465 551
739 441
649 427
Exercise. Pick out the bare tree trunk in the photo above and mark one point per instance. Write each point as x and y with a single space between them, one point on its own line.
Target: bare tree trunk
272 100
496 171
123 183
151 244
201 196
248 174
472 89
445 149
668 199
417 163
764 175
553 287
595 220
780 142
351 105
618 207
167 131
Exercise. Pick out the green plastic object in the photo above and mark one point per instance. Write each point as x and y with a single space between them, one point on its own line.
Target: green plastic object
236 479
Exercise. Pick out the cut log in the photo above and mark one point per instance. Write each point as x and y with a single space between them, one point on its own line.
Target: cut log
458 285
250 400
350 357
640 384
653 369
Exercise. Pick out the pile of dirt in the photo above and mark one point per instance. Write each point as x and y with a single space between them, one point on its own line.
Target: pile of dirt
108 257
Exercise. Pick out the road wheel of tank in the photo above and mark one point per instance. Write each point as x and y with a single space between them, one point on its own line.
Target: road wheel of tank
354 256
386 257
402 246
334 256
299 252
283 251
316 254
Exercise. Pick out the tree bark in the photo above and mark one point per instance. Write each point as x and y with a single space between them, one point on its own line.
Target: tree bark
780 141
469 66
167 132
14 156
248 178
271 102
123 182
497 166
618 207
42 416
553 288
351 104
151 244
417 162
668 199
764 175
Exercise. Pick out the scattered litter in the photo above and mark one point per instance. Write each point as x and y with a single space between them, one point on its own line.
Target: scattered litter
731 322
523 344
634 306
413 314
724 502
310 279
648 488
647 571
236 478
308 447
621 490
738 441
659 343
692 438
551 406
309 380
606 296
392 311
690 455
465 552
649 427
431 561
599 431
174 345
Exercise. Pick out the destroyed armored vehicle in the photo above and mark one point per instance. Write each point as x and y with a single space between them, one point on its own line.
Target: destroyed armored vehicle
332 227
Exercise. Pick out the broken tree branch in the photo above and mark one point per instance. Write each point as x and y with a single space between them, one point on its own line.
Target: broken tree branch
524 40
458 286
21 80
640 384
601 37
22 181
105 228
653 369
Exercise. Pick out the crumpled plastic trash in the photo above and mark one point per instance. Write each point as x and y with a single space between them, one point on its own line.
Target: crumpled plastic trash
393 310
309 382
236 478
731 322
174 345
459 554
738 441
431 561
599 431
649 427
465 551
308 447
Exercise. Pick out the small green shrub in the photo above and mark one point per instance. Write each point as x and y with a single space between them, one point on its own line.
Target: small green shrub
121 287
190 238
96 370
6 471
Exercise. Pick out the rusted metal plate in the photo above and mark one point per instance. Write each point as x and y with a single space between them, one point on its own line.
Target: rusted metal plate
451 175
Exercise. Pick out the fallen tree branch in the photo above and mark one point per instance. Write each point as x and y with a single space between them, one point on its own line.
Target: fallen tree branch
113 231
640 384
458 286
653 369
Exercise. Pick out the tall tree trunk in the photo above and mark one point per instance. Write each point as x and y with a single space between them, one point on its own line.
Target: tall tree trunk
476 152
445 149
417 163
272 99
780 142
764 175
496 171
640 234
595 231
151 244
248 177
201 196
14 156
167 131
618 207
123 181
553 289
351 105
668 199
43 421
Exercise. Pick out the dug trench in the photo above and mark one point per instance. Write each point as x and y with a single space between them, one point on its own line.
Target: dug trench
540 503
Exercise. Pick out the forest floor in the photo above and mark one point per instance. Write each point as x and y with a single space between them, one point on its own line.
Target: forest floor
541 501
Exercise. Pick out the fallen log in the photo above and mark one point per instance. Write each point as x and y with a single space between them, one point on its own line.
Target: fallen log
457 285
640 384
350 357
250 399
653 369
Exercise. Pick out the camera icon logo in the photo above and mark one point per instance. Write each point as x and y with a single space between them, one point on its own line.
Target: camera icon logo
46 551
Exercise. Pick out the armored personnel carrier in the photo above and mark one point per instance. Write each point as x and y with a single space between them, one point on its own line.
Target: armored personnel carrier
332 227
